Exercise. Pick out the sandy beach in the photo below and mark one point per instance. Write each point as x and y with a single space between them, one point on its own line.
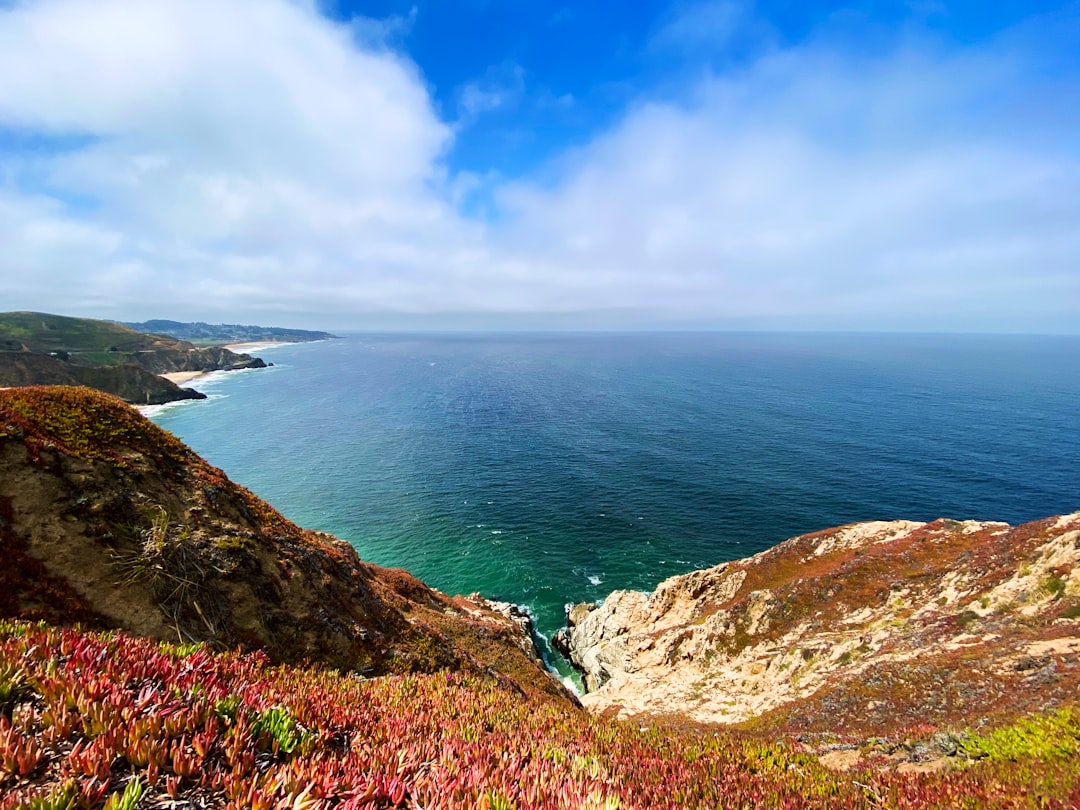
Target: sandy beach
181 377
247 348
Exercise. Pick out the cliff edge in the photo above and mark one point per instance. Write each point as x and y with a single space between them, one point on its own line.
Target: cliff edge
855 629
109 521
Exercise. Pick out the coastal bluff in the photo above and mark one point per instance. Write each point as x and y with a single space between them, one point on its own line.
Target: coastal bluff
110 522
855 629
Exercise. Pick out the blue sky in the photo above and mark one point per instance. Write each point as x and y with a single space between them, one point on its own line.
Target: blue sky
550 75
734 165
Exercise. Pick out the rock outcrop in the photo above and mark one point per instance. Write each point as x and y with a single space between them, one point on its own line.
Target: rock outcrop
111 522
858 627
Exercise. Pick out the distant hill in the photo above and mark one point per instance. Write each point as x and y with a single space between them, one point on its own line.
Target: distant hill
38 348
205 333
107 341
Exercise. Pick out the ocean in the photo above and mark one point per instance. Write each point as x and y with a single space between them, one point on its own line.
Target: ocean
547 469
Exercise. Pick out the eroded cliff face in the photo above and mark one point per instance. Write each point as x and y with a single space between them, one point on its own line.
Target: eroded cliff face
854 628
109 521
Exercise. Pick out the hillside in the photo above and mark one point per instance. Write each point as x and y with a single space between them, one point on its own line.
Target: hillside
225 333
851 631
110 521
129 383
42 349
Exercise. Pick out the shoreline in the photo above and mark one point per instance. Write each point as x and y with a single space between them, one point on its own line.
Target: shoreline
181 377
254 345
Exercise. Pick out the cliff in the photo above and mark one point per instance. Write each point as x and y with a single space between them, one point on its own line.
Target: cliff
128 382
860 629
42 349
107 520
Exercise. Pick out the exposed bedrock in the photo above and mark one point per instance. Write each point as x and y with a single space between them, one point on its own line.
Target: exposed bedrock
926 621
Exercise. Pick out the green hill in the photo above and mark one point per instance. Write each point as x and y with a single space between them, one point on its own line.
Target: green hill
81 339
211 334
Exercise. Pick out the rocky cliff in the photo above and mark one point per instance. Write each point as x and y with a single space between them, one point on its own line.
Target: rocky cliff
109 521
129 382
854 629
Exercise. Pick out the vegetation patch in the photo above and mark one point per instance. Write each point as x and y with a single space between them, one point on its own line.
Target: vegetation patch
116 722
1052 735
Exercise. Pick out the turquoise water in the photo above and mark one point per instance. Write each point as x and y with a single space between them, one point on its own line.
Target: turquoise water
546 469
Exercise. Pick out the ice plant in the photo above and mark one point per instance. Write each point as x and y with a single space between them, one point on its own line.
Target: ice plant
102 720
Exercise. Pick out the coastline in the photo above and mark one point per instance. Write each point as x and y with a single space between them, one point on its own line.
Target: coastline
256 345
181 377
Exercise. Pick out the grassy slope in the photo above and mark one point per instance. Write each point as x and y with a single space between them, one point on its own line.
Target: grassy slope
96 340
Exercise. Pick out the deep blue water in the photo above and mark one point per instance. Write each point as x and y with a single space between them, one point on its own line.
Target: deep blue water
547 469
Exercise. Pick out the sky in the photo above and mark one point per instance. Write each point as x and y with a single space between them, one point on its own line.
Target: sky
793 164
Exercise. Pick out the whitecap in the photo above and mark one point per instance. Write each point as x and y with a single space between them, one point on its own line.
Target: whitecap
570 684
594 579
150 411
212 378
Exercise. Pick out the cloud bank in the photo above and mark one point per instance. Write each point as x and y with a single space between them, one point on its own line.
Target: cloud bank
252 159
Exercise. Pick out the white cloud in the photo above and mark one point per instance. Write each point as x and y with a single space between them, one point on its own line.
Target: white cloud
501 86
814 190
234 145
706 24
250 156
385 31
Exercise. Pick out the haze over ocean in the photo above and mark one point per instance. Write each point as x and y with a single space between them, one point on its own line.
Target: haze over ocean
553 468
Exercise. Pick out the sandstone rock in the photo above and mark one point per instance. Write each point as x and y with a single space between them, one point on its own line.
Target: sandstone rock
831 625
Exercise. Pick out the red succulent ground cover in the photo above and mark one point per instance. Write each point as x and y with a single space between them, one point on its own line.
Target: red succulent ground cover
91 720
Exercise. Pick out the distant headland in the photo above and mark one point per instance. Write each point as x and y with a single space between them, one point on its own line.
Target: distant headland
206 334
142 364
